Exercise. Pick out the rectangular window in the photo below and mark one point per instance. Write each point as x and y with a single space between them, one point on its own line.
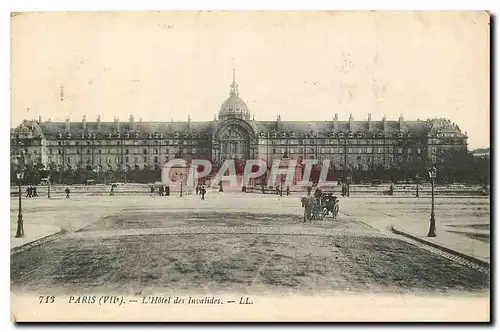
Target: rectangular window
145 159
144 151
126 151
117 142
59 151
156 159
156 151
77 151
126 159
274 150
400 150
369 150
99 151
88 151
69 160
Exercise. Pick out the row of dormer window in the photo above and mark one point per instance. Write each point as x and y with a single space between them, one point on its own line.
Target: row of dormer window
331 135
132 135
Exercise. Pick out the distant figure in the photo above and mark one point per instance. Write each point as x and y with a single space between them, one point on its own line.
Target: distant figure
220 187
287 190
344 189
152 191
197 189
67 191
309 189
28 191
167 191
160 191
262 188
203 191
391 189
112 191
35 194
277 190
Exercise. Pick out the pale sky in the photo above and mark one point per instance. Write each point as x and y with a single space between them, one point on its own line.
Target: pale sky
301 65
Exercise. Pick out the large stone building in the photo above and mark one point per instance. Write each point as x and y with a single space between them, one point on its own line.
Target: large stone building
235 134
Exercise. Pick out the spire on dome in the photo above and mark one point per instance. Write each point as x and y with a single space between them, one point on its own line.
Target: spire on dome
234 86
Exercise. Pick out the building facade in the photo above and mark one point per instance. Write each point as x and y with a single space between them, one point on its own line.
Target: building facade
235 134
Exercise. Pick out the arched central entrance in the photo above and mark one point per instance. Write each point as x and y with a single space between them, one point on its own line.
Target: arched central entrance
234 143
234 139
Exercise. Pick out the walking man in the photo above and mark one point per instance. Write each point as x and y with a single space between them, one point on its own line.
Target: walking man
203 192
287 190
67 191
35 194
197 189
152 191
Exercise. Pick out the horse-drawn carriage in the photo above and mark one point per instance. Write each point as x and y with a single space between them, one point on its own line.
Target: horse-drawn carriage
317 208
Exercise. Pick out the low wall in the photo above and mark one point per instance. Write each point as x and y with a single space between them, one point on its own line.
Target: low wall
142 189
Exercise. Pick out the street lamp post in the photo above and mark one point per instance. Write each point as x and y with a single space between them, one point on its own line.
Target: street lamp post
48 186
432 227
20 227
281 185
417 180
181 185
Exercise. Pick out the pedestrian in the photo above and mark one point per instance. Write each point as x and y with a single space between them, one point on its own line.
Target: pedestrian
203 192
167 190
152 191
262 188
35 194
287 190
28 191
112 191
391 189
197 189
309 189
67 191
160 191
344 189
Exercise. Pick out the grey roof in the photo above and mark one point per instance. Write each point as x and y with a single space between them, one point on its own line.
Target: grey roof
207 128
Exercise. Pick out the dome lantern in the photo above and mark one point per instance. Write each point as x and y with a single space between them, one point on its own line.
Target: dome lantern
234 106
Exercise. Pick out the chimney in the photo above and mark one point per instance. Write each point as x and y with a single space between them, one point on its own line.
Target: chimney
39 119
117 123
131 121
68 127
401 122
98 123
384 122
351 120
189 118
369 121
84 122
336 122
